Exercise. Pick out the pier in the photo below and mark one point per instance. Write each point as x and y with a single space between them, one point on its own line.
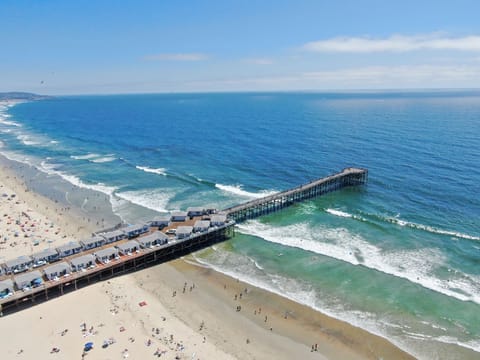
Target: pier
49 289
182 233
269 204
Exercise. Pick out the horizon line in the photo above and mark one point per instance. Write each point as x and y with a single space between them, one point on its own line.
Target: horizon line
343 91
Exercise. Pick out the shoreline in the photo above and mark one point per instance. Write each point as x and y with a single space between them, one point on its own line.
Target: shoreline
226 330
303 328
275 316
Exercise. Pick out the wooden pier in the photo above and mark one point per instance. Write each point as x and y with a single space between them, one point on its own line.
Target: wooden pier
176 247
272 203
144 258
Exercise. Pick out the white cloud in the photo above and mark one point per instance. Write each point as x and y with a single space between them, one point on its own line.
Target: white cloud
259 61
177 57
369 77
401 76
395 43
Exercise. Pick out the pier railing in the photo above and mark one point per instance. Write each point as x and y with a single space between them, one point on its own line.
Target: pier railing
272 203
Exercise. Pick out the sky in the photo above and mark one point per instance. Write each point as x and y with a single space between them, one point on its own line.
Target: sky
146 46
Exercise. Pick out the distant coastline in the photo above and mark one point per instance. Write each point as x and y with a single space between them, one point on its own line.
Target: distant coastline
22 96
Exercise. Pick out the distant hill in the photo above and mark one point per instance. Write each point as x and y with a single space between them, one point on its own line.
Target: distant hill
22 96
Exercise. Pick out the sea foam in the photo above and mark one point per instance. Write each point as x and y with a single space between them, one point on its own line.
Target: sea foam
104 159
86 156
237 190
159 171
404 223
416 266
156 200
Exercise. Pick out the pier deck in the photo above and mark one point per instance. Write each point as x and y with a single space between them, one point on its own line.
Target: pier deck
268 204
143 258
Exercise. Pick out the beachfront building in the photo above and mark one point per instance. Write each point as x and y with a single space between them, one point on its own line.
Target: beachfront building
82 262
30 279
195 211
183 232
179 216
93 242
6 288
218 219
135 230
106 255
161 221
20 264
71 248
53 272
113 236
44 257
128 247
201 226
155 239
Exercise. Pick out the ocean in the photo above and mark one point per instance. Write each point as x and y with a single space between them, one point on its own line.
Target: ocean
399 257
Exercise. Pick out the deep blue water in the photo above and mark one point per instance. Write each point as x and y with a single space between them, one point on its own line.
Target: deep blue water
399 257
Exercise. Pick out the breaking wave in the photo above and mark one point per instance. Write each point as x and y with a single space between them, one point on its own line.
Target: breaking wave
159 171
237 190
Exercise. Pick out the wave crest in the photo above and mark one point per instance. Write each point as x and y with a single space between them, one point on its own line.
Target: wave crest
404 223
416 265
159 171
237 190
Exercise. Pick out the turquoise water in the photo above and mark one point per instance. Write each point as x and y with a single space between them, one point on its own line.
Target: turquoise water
399 257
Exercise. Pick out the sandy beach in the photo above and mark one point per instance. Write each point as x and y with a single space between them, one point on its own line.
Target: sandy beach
178 310
30 222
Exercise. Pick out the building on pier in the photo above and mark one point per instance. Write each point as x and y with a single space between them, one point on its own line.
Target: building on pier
71 248
113 236
6 288
44 257
135 230
154 239
55 271
30 279
93 242
106 255
128 248
82 262
20 264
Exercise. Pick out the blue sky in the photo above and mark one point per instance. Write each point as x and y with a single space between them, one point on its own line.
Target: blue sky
107 46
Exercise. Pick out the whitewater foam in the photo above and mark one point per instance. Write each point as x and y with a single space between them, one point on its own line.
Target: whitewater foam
159 171
156 200
52 169
404 223
339 213
9 122
26 140
416 266
86 156
105 159
431 229
237 190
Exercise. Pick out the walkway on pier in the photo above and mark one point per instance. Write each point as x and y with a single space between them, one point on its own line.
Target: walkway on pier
272 203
